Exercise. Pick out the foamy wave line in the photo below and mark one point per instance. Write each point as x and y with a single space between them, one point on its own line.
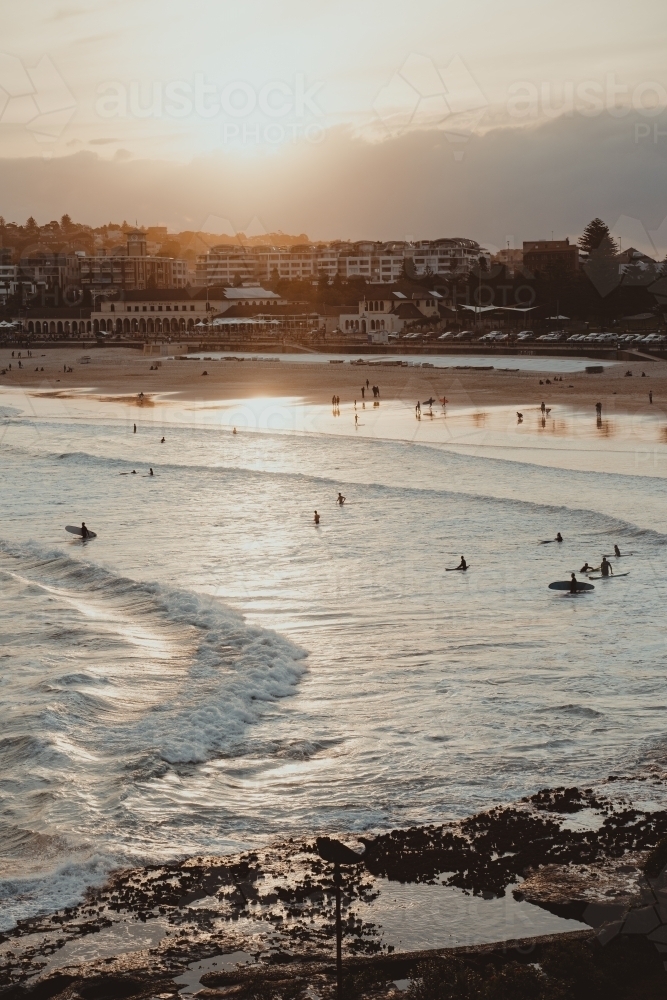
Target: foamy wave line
236 670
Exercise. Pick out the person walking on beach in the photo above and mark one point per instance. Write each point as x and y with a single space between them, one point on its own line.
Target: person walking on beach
543 408
605 567
367 383
316 518
356 419
650 395
363 392
418 408
135 429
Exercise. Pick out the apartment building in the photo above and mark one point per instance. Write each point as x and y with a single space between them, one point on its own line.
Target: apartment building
131 267
377 263
542 256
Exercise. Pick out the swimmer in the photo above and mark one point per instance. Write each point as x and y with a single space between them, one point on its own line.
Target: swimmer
233 432
316 518
134 472
559 537
341 499
162 441
150 473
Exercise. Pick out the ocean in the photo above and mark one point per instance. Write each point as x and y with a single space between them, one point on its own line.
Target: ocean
213 671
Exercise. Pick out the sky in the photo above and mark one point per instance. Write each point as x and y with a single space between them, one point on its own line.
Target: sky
502 120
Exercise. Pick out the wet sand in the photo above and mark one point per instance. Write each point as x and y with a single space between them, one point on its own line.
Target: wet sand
127 372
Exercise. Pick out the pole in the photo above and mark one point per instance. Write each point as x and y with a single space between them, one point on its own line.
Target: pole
339 935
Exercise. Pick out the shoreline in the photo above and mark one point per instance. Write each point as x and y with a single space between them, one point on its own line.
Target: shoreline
578 854
125 372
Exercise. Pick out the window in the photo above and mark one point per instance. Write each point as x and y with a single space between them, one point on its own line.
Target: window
152 308
143 308
129 309
159 308
113 308
192 309
168 308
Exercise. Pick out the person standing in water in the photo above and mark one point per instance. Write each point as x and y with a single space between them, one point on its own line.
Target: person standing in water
574 586
150 473
617 552
605 567
84 530
135 429
559 537
340 499
316 518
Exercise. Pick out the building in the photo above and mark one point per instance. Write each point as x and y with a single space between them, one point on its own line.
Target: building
510 259
551 256
391 313
376 263
131 267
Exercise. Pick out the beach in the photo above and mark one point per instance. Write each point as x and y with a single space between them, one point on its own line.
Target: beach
214 675
490 381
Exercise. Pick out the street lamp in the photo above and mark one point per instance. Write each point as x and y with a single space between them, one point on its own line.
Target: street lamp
338 854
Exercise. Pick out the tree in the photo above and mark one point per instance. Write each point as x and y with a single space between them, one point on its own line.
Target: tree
65 222
31 224
593 235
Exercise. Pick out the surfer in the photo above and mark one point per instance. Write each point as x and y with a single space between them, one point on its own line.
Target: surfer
341 499
84 530
162 441
150 473
559 537
316 519
135 428
463 564
134 472
574 586
233 432
586 568
605 567
617 552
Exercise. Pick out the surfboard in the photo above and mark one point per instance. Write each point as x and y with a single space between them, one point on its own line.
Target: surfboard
612 555
453 569
610 577
77 531
565 585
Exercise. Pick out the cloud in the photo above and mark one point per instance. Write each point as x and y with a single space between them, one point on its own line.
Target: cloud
521 183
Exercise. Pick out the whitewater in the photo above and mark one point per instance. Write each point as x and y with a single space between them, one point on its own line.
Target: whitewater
214 672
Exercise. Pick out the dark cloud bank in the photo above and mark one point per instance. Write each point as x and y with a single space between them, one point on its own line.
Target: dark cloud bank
523 182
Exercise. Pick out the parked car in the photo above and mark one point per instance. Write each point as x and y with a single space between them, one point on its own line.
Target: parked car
525 335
